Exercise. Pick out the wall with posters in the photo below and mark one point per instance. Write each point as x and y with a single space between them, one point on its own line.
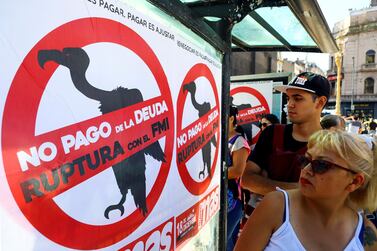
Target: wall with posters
110 128
253 100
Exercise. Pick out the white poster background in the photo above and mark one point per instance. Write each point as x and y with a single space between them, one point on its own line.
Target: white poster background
22 25
263 87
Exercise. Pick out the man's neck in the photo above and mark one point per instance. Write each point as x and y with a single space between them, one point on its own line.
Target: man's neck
302 131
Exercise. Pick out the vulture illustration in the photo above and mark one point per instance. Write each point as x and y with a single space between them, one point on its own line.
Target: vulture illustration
130 172
202 109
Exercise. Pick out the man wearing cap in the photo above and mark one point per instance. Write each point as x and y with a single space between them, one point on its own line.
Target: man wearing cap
274 163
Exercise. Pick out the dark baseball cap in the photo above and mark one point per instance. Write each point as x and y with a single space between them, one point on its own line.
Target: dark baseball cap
309 82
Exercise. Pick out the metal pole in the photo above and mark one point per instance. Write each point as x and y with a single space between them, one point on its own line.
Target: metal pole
353 83
338 61
224 28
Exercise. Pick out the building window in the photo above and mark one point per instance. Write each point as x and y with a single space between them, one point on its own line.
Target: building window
369 86
269 64
369 57
332 92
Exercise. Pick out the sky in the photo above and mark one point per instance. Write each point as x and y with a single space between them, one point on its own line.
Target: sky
334 11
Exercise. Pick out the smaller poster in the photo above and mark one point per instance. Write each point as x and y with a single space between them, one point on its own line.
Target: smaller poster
253 100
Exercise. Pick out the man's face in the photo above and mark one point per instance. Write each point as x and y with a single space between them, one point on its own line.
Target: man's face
301 107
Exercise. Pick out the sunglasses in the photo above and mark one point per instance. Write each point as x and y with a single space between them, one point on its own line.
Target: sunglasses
320 166
264 124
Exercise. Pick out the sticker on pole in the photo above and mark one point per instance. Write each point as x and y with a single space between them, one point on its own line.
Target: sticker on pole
198 122
251 105
131 129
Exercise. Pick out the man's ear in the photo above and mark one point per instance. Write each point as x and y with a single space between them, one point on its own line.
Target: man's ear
357 181
321 102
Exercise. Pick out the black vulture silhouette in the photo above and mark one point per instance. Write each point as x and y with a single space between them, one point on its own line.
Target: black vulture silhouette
247 128
130 172
202 109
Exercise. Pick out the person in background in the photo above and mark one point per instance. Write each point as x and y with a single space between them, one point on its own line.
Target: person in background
337 181
268 119
355 125
238 152
273 161
252 199
372 127
365 126
332 121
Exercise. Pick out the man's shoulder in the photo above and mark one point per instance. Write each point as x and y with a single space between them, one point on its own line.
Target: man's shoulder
267 132
264 143
274 127
276 130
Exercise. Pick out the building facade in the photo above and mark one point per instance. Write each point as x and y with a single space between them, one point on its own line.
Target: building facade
297 67
245 63
356 37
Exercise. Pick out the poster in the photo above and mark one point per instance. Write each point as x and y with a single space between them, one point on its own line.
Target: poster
107 140
253 100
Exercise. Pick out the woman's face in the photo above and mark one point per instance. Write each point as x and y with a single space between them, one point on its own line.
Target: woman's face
264 123
329 184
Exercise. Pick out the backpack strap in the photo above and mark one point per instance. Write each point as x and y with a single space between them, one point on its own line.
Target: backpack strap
234 184
362 229
234 138
229 155
278 137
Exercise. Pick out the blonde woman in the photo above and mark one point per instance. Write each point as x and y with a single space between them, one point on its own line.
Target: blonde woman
338 180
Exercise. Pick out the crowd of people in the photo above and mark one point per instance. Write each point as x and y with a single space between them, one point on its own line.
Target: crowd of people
354 124
306 185
360 124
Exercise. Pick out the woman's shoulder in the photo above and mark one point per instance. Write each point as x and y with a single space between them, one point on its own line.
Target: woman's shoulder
263 222
240 142
277 196
273 204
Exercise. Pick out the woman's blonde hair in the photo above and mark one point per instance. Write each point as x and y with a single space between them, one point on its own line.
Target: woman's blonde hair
358 156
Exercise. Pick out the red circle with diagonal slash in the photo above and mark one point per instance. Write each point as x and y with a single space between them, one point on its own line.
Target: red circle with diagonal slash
19 123
252 92
255 93
198 70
